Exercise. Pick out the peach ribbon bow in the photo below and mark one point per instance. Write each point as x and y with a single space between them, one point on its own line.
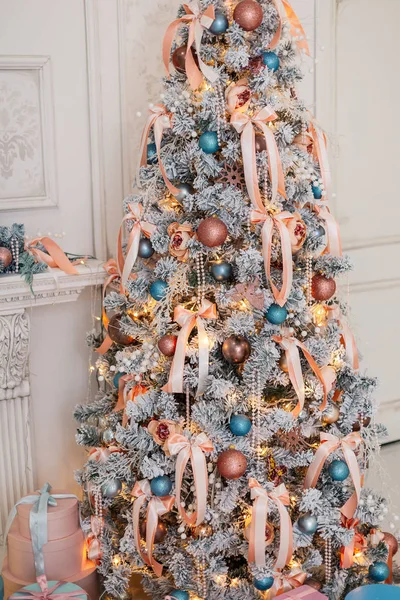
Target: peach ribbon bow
135 215
192 450
160 119
358 541
188 319
56 257
197 22
270 222
280 496
244 124
125 395
285 10
292 347
113 273
101 454
330 443
156 507
285 583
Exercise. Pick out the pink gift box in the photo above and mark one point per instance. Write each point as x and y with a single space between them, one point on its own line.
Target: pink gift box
305 591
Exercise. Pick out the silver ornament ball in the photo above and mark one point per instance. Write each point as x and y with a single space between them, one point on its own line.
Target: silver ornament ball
185 190
112 488
307 524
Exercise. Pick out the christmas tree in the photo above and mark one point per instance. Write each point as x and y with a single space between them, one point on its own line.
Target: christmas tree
233 428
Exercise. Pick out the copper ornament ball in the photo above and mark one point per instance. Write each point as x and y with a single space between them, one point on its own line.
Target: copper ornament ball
232 464
179 59
322 288
365 422
260 142
331 414
212 232
167 345
115 333
161 531
248 14
391 541
5 257
236 349
283 364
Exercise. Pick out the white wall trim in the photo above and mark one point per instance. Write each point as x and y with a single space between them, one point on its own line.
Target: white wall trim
125 144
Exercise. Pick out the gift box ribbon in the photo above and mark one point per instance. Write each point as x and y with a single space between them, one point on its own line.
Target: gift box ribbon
47 593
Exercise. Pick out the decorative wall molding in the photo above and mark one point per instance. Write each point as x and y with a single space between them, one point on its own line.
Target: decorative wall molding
27 137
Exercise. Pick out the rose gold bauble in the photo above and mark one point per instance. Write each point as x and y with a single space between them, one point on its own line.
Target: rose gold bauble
365 422
232 464
202 531
236 349
391 542
260 143
314 583
161 531
283 363
179 59
5 257
331 414
248 14
167 345
115 333
212 232
322 288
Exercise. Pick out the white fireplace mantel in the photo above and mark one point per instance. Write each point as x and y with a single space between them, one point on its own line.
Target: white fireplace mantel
16 301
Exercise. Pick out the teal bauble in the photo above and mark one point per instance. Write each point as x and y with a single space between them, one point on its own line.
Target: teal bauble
112 488
222 271
271 61
179 595
185 190
220 24
152 154
208 142
338 470
317 191
379 571
263 584
276 314
307 524
158 289
161 486
117 377
240 425
146 249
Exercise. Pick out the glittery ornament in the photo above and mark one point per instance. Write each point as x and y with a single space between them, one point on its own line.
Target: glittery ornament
161 486
240 425
161 531
271 61
263 584
307 524
167 345
5 257
208 142
232 175
232 464
331 414
212 232
248 14
112 488
158 289
391 541
115 333
379 571
179 595
236 349
364 421
108 436
322 288
338 470
317 191
202 531
276 315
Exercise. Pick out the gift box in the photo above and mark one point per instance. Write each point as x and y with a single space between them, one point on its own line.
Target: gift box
56 589
304 591
375 592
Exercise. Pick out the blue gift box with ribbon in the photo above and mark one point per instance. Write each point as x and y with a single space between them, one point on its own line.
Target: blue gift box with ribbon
375 592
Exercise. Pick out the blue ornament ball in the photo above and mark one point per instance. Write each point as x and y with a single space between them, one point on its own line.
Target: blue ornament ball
152 154
271 61
146 249
263 584
161 486
276 314
117 377
208 142
220 24
179 595
307 524
158 289
317 191
379 571
240 425
222 271
338 470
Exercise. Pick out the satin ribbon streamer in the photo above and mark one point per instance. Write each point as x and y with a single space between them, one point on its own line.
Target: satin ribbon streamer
156 507
291 347
188 320
125 395
285 583
47 593
161 120
37 522
321 153
197 22
244 124
348 338
280 497
296 28
192 450
358 540
269 223
330 443
334 246
125 265
55 258
113 273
